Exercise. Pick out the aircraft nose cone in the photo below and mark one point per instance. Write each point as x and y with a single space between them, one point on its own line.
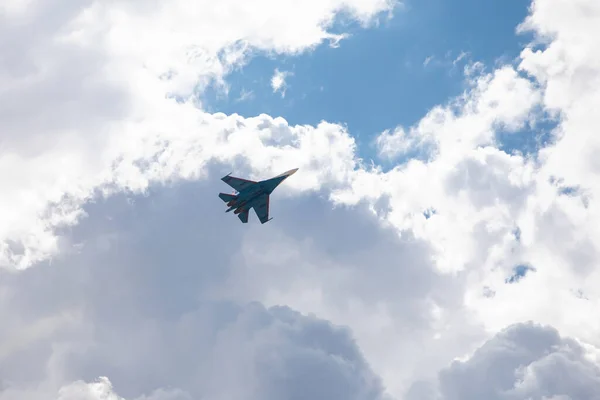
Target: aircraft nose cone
292 171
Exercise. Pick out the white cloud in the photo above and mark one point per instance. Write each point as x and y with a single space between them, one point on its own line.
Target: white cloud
113 130
559 233
481 195
500 99
524 361
476 190
278 81
91 85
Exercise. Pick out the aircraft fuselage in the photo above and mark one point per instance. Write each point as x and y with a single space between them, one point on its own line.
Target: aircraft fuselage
245 198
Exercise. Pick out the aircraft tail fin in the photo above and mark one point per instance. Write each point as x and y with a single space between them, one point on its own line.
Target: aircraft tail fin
243 216
227 197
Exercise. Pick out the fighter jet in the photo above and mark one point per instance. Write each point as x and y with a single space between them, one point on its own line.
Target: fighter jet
251 194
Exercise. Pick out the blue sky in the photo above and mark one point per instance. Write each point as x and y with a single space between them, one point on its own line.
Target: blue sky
377 79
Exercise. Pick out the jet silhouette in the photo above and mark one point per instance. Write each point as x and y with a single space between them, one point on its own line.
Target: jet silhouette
251 194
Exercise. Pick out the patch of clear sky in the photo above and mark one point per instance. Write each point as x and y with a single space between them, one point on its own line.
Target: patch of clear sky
379 77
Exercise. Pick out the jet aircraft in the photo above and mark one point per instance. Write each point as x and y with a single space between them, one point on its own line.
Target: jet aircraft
251 194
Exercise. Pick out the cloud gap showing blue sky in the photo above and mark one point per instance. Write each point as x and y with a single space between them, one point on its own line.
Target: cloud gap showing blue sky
387 75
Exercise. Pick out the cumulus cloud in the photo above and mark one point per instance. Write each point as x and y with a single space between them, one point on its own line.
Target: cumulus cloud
481 196
127 116
519 210
501 99
524 361
101 84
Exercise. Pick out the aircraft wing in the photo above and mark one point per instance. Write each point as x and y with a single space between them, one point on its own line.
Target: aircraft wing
261 207
243 216
238 184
